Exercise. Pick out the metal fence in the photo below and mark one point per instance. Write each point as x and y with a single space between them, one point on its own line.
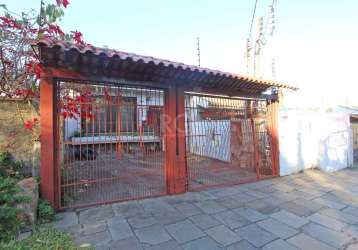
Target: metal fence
227 140
110 143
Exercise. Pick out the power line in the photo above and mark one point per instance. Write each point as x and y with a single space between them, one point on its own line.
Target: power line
198 49
253 19
248 40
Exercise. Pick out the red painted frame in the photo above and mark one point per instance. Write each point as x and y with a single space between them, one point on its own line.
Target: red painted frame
175 158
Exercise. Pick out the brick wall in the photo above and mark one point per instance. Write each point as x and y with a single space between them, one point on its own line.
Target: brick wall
14 137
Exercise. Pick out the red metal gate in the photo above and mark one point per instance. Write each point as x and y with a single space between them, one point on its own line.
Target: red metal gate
109 146
227 140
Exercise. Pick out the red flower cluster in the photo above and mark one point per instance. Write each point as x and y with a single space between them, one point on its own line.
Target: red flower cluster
80 106
63 2
25 93
30 123
55 30
10 23
78 37
35 68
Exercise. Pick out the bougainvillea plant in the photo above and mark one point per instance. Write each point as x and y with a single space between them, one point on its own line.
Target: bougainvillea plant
20 67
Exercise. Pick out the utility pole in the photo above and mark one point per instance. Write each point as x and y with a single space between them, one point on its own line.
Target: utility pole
256 43
198 49
42 14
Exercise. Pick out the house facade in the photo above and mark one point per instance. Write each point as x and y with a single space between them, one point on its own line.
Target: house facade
119 126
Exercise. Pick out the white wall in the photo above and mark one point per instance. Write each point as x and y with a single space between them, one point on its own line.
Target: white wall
310 139
205 144
145 98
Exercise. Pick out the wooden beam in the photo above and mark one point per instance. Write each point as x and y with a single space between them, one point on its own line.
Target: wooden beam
48 172
175 161
203 91
273 132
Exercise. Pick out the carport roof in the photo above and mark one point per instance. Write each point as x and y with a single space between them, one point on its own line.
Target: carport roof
90 60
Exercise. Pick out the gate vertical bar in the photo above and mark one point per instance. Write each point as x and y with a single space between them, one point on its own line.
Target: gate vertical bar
181 177
48 103
170 138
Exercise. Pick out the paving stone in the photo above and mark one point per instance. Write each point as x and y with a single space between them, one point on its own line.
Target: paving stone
119 228
67 219
344 197
188 209
168 245
169 218
279 245
128 209
153 235
89 229
310 204
184 231
96 214
268 189
244 197
296 209
303 241
273 200
157 206
331 237
204 243
250 214
327 221
127 244
210 207
223 235
101 238
242 245
257 204
285 196
330 203
351 231
263 207
341 216
303 195
351 210
230 202
257 194
277 228
142 221
284 187
219 193
352 247
333 197
289 219
204 221
255 235
313 191
231 219
102 247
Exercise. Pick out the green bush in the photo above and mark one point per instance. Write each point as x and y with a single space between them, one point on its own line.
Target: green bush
9 221
8 166
41 239
45 211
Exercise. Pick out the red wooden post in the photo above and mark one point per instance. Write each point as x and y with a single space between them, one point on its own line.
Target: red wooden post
175 162
275 158
48 175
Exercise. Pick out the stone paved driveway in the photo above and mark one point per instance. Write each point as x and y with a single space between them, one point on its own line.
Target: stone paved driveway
312 210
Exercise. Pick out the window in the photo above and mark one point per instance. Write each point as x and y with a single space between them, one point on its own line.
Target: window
110 117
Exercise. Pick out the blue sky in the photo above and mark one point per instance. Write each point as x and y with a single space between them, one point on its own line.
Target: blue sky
315 46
